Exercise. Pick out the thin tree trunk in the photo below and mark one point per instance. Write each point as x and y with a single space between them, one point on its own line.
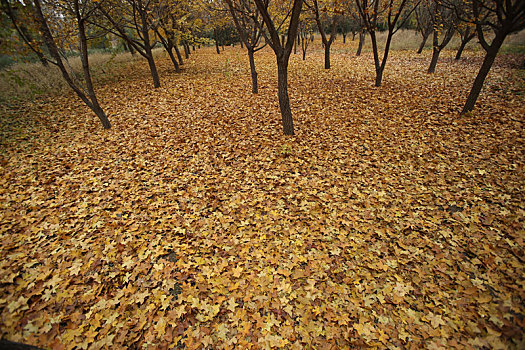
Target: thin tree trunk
152 66
148 51
437 47
422 45
483 72
253 71
361 43
344 38
87 73
464 42
216 37
435 52
131 50
433 62
284 100
380 66
327 55
179 56
42 59
53 50
169 48
186 49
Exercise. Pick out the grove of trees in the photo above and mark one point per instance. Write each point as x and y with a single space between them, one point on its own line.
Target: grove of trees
51 30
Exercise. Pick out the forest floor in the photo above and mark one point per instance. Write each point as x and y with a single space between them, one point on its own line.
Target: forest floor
387 221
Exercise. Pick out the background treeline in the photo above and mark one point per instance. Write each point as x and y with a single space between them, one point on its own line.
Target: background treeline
67 35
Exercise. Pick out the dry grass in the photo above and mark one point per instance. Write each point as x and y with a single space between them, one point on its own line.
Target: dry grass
410 40
27 81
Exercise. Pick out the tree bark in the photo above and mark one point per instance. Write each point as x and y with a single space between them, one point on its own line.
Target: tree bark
422 45
186 49
148 51
344 38
169 48
152 66
327 55
435 52
380 65
433 62
464 42
216 36
87 73
253 71
284 100
460 50
179 56
53 50
490 56
361 43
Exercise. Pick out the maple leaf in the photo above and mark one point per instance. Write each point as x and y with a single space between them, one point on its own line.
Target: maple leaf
435 320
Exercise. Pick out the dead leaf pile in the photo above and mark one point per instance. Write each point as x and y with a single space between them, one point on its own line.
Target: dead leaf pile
388 221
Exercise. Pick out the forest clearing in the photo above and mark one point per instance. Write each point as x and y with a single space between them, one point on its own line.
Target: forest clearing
389 219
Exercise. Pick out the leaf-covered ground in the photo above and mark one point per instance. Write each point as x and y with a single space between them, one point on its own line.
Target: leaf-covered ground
388 221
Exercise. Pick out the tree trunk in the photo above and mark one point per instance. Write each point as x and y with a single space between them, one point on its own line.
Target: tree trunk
464 42
186 49
6 344
327 55
295 46
284 100
422 45
304 55
282 39
179 56
361 43
99 112
433 62
152 66
435 52
460 50
173 59
344 38
42 59
380 65
53 50
253 71
216 37
87 74
483 72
